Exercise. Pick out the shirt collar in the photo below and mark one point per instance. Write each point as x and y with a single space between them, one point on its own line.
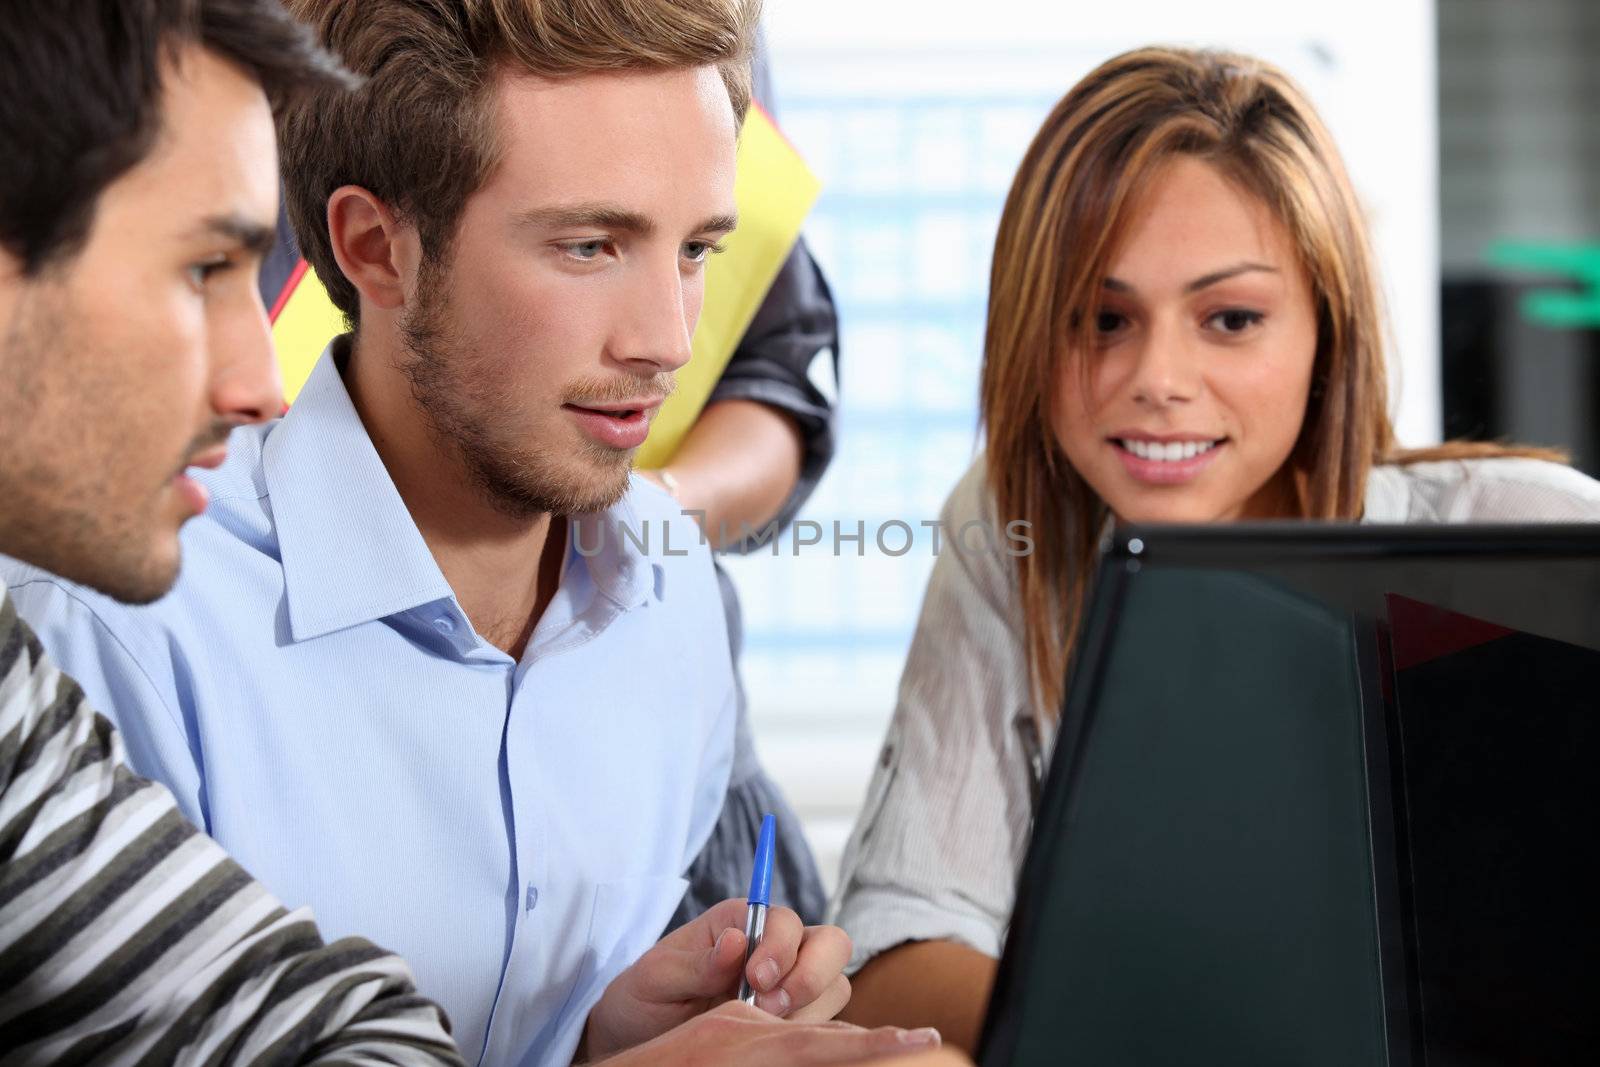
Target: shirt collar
349 548
1385 500
619 567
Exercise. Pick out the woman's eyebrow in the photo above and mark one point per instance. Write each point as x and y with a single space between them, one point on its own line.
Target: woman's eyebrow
1117 285
1223 275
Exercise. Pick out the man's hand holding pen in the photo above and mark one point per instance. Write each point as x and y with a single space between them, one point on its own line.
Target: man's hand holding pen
797 972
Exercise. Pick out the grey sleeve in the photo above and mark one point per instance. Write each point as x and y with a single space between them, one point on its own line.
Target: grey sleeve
772 365
722 869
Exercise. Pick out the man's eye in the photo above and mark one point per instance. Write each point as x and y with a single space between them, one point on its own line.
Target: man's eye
700 251
1235 320
585 250
200 273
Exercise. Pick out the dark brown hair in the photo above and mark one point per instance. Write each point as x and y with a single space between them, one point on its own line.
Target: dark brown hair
420 134
80 98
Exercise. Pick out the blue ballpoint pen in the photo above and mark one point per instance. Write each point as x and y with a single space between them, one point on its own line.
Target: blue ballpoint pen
760 896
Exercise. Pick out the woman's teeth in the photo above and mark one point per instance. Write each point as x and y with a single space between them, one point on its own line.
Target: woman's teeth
1168 451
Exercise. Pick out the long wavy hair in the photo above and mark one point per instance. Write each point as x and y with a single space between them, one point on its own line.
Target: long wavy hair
1067 210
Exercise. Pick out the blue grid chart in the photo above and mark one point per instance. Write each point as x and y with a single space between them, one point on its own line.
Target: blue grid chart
904 232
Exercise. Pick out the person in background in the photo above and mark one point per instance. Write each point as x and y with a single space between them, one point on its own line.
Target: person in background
388 676
136 199
1184 326
750 462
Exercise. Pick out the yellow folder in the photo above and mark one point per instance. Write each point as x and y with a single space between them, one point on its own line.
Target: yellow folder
774 190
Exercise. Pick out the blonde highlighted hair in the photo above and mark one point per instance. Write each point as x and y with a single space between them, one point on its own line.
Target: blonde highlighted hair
420 133
1068 208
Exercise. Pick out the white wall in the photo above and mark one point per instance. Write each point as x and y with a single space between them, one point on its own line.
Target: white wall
1369 66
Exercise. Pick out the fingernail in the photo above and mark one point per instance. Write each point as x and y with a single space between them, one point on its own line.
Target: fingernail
722 939
775 1003
926 1037
767 975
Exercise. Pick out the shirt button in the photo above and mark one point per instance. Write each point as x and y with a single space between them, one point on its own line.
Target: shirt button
445 624
532 899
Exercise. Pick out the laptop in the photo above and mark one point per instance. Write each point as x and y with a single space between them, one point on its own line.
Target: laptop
1321 794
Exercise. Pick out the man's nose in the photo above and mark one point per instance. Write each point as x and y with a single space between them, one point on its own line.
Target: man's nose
655 332
246 385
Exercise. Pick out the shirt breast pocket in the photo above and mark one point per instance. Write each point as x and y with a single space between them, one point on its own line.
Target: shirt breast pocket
629 916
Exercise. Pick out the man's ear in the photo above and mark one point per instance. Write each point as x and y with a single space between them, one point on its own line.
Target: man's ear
377 254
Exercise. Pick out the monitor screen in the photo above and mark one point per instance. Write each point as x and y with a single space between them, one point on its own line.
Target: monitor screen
1317 797
1499 824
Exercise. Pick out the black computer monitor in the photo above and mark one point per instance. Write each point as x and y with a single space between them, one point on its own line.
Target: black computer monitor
1320 795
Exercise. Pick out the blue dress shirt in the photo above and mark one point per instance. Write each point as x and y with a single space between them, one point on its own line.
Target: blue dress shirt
319 703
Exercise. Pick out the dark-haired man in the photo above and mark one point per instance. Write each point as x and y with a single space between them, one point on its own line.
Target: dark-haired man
422 671
136 195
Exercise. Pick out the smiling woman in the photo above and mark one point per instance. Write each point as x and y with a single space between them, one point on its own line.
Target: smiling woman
1190 396
1183 326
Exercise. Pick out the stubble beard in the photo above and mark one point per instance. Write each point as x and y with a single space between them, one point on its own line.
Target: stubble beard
64 507
468 414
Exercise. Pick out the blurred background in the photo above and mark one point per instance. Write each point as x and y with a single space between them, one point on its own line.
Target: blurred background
1470 131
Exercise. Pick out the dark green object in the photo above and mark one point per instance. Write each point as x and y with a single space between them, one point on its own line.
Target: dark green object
1222 911
1553 307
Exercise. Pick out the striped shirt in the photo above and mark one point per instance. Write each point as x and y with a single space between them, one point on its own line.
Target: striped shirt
937 847
128 937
